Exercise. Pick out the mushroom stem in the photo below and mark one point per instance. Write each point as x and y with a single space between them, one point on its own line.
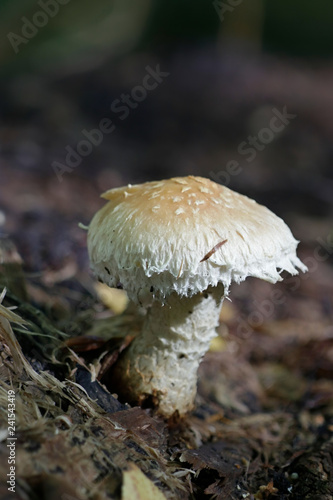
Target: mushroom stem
160 366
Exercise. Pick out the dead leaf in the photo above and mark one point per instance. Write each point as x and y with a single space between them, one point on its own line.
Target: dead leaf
137 486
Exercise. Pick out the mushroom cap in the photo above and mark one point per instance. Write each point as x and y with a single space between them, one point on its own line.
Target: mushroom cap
184 234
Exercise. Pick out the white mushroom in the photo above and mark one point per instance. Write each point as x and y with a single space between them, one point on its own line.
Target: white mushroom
175 246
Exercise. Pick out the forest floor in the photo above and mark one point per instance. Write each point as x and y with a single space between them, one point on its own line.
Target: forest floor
262 426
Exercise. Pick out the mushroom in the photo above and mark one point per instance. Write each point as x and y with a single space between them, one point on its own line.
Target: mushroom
175 246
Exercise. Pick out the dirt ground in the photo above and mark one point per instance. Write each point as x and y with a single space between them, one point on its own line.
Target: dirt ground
262 427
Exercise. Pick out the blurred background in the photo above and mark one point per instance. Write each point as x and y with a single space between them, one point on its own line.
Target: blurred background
99 94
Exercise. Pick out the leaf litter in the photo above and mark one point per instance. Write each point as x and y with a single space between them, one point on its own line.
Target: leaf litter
262 427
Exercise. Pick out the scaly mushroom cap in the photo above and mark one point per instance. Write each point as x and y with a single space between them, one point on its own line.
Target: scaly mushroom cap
184 234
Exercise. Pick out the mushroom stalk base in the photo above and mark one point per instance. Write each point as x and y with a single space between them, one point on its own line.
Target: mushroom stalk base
160 366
